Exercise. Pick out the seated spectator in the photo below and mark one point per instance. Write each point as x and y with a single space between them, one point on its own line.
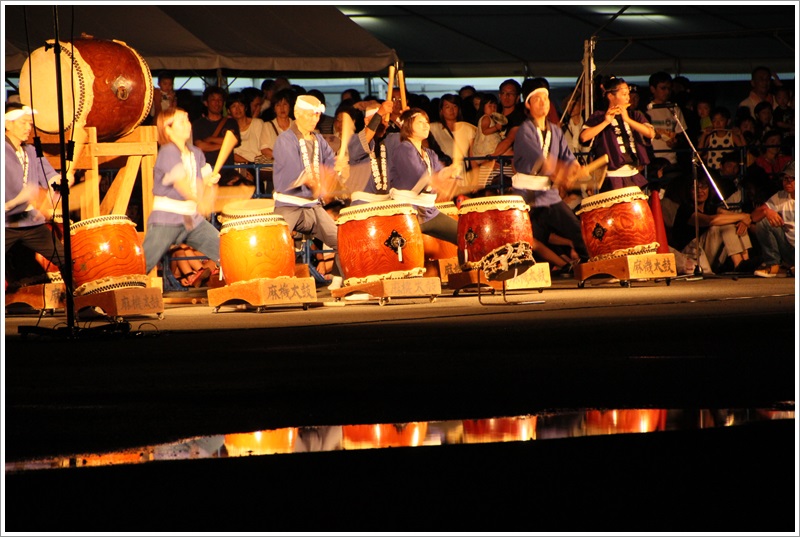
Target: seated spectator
451 137
282 107
325 125
250 130
774 224
719 138
208 131
770 164
191 272
783 113
723 234
763 118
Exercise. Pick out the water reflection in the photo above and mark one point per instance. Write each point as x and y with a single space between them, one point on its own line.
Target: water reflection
542 426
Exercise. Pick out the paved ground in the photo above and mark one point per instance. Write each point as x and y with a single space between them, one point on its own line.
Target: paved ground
714 343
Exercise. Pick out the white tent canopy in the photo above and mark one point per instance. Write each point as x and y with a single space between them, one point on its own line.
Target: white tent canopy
191 37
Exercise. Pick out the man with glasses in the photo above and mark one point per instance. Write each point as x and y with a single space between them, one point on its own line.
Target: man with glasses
774 228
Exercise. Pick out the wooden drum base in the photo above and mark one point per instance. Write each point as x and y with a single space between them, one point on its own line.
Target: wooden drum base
44 297
630 267
127 301
385 290
262 292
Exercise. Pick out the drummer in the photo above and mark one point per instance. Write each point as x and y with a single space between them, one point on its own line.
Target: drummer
28 179
370 152
416 173
620 133
303 173
180 178
543 162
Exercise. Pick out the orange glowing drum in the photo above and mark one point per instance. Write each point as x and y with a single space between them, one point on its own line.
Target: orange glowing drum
256 247
383 435
618 223
500 429
246 209
437 248
105 84
495 234
380 240
107 254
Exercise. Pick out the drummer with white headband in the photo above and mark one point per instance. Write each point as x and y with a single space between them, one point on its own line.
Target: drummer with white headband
303 173
543 161
29 193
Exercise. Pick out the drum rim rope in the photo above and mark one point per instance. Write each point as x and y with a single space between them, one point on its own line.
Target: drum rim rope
607 199
247 222
493 203
98 221
378 208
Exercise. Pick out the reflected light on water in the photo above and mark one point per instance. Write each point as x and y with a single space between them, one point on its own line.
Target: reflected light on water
548 425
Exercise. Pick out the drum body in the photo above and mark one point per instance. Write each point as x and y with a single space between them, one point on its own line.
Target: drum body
105 84
437 248
495 234
380 240
618 223
106 254
246 209
256 247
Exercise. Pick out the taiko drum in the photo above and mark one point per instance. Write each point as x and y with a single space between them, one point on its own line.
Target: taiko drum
105 247
105 84
379 240
486 224
618 223
256 247
437 248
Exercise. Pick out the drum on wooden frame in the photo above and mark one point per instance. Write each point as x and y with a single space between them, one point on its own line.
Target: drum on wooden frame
107 254
256 247
380 240
618 223
105 84
495 235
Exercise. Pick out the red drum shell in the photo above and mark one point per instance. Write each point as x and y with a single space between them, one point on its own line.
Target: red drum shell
104 247
437 248
617 223
109 83
362 249
490 223
256 247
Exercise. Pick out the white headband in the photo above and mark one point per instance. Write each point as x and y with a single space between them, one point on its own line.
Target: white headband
305 105
537 90
14 115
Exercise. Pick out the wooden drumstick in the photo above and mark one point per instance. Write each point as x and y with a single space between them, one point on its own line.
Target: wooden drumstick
401 81
228 143
585 173
390 83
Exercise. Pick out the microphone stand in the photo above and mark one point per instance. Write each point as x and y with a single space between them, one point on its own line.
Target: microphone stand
696 161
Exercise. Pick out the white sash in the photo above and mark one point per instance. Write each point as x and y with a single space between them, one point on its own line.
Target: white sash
294 200
360 195
169 205
408 196
523 181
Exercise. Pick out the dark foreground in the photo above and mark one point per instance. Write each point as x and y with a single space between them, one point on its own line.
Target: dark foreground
716 343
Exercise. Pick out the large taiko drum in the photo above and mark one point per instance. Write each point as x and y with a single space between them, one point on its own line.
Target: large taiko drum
500 429
256 247
384 435
437 248
380 240
246 209
107 254
618 223
495 234
105 84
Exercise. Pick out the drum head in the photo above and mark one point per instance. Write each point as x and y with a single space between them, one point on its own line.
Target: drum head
246 208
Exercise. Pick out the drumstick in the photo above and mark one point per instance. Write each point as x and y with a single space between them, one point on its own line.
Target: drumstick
390 83
401 81
228 143
586 171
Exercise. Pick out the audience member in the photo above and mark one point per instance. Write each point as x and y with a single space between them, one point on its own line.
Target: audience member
719 138
282 121
208 131
621 135
180 179
774 224
704 113
722 234
253 98
783 114
763 117
769 165
270 89
469 113
761 80
451 135
669 131
189 271
489 132
164 97
513 109
251 133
